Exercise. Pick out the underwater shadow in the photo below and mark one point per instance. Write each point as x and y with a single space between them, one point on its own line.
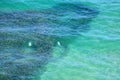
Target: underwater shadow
27 38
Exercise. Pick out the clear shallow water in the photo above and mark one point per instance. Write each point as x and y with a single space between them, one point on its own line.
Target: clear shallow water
60 42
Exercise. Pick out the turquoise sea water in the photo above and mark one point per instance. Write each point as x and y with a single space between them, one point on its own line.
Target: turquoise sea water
59 40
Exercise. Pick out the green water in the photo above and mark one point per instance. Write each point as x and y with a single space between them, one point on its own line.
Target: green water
96 54
92 55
